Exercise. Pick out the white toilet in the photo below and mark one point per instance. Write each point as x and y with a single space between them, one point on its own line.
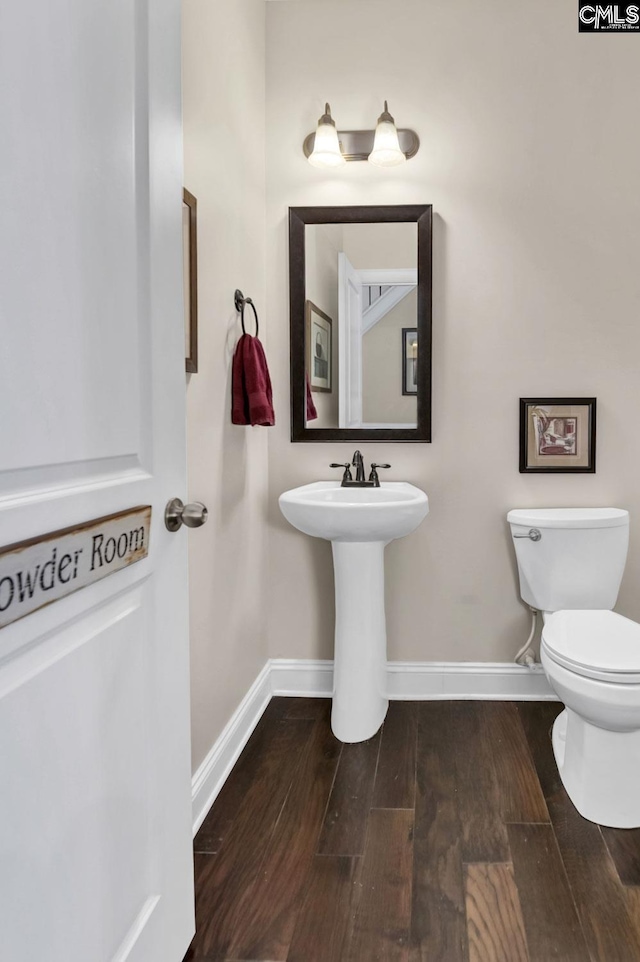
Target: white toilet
571 562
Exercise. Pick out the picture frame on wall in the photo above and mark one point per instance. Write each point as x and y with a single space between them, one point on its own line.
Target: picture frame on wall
190 284
558 435
319 340
409 360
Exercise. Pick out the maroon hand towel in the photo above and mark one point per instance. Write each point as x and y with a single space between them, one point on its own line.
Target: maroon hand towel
252 399
312 414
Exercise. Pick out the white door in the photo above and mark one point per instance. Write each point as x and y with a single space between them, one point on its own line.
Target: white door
95 861
350 344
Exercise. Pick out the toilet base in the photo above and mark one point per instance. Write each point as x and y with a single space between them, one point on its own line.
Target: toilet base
599 769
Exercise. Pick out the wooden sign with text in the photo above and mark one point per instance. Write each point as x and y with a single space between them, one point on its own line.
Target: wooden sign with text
36 572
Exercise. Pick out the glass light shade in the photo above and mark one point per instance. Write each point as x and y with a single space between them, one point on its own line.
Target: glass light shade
386 146
326 148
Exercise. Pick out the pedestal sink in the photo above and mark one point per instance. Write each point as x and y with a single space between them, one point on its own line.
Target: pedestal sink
359 522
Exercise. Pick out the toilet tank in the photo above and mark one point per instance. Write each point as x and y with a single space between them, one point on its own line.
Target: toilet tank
579 560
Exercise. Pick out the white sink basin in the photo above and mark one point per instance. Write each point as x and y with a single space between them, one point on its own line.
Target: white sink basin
325 510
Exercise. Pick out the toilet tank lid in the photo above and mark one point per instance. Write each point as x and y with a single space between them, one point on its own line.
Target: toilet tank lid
569 517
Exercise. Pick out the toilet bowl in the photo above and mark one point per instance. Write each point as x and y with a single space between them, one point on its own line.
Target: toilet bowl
590 654
592 661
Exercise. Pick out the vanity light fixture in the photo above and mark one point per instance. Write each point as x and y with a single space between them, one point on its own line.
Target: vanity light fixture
385 147
326 147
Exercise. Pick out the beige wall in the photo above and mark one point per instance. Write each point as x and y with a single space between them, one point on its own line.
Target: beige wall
382 360
223 76
530 154
381 245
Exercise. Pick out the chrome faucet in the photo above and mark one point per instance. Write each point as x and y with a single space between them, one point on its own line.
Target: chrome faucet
358 463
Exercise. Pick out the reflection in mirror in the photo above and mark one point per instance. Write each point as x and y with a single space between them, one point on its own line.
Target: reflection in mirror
361 282
360 323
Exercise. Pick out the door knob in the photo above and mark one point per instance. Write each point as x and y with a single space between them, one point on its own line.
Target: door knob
176 514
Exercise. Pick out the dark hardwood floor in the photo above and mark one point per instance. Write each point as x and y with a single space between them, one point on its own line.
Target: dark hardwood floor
447 837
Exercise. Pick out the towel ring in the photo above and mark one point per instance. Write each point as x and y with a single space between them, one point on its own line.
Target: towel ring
240 301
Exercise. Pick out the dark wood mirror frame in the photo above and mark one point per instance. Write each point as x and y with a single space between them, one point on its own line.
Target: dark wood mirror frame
299 217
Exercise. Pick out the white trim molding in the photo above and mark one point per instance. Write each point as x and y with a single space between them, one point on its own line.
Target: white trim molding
422 680
381 276
301 678
382 305
214 770
467 680
406 680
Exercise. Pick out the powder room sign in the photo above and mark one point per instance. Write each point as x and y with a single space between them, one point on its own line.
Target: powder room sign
36 572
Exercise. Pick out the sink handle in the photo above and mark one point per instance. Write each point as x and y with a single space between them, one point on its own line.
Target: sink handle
373 477
347 470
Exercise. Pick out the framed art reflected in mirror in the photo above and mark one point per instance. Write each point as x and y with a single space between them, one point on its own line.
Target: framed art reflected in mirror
409 360
360 285
319 362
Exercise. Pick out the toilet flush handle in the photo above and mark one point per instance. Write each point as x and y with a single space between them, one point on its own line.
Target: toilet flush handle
533 534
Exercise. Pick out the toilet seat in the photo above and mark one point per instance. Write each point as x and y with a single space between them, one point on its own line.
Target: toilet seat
595 643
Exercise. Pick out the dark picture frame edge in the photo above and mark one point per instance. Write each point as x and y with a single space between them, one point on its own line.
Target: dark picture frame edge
405 391
191 361
589 402
309 308
299 217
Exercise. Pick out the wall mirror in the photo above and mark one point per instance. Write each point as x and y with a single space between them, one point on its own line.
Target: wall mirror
360 315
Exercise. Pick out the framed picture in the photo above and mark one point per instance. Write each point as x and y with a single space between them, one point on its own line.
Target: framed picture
409 360
190 285
558 435
319 346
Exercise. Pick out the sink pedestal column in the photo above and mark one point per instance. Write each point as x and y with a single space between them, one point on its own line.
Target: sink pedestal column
360 669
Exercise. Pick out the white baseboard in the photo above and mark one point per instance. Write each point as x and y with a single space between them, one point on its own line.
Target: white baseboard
407 680
489 681
421 680
301 677
214 770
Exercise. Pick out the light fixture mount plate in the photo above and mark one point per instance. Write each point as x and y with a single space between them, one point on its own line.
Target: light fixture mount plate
358 144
